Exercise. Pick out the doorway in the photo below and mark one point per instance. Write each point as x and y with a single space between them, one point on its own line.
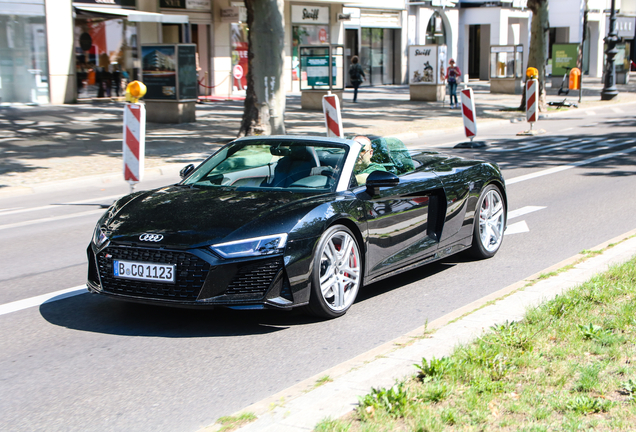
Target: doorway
474 50
351 49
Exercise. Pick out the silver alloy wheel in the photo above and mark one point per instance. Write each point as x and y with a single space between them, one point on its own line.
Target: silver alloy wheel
491 220
339 271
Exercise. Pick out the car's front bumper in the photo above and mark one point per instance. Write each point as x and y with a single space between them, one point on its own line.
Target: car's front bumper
204 280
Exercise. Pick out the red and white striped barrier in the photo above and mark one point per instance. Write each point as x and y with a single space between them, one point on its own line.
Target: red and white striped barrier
333 120
531 101
134 142
468 113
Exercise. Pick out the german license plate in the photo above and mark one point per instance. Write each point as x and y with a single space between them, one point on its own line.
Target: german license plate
144 271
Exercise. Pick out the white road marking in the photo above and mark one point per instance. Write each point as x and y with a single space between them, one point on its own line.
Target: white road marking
617 110
523 211
567 167
41 299
30 209
50 219
590 113
517 228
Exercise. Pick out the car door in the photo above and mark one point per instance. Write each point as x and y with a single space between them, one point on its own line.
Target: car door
404 222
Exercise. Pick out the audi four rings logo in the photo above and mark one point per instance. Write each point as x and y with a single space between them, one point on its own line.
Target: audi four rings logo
151 237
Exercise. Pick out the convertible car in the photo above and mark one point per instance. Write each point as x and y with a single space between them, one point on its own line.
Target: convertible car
284 222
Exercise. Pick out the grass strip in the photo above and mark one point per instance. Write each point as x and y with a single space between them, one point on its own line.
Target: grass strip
570 364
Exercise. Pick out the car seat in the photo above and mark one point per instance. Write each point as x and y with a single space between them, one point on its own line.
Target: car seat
296 164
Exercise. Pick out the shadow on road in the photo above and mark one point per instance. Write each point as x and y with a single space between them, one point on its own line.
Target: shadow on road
94 313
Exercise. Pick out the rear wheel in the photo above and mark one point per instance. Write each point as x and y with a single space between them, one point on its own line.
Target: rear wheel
337 273
490 219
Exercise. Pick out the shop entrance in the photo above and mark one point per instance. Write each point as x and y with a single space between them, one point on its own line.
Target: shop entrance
478 51
351 49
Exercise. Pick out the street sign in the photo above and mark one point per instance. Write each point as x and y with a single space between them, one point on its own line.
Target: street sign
468 113
237 72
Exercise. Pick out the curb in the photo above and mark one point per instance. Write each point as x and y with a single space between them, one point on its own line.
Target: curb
302 406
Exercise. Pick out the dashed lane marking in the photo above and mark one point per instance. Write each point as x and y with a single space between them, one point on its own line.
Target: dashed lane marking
50 219
41 299
560 168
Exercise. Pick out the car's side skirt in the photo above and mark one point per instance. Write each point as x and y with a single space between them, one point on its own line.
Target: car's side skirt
456 247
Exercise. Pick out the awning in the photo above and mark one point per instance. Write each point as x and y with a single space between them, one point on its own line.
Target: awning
129 14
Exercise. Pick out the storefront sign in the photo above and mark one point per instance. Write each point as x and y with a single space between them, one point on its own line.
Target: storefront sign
310 14
382 19
159 71
624 26
198 5
427 64
230 14
187 71
564 56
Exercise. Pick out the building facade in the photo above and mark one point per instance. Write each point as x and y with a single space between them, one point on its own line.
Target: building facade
59 51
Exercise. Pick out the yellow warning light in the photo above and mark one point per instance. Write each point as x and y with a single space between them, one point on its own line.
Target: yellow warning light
532 73
575 79
134 91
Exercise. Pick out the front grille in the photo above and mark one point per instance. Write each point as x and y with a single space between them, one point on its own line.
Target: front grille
254 279
190 275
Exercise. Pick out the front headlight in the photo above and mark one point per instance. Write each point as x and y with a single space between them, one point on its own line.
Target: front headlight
99 237
256 246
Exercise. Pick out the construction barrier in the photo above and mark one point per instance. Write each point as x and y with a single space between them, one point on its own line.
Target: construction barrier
468 113
333 120
134 142
531 101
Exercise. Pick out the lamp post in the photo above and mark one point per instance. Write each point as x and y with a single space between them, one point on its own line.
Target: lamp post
609 85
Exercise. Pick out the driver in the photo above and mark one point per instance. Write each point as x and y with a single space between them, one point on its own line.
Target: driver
364 166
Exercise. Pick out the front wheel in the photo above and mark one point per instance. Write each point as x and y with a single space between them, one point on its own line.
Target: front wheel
490 220
337 273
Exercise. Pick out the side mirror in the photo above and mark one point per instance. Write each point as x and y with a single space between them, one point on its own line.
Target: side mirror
186 170
378 179
382 179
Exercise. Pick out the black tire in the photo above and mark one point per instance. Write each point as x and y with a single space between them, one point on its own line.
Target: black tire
334 296
488 226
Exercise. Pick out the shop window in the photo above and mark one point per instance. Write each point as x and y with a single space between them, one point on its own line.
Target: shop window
106 54
376 55
306 34
435 31
239 54
23 59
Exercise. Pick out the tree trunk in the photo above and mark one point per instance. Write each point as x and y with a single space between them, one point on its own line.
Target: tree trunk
538 46
264 111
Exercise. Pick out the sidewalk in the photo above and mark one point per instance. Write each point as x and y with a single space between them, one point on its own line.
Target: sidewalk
301 407
42 144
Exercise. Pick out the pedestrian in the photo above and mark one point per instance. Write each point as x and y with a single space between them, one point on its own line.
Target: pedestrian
452 76
356 75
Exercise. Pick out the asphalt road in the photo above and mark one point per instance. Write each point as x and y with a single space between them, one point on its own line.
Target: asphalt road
94 364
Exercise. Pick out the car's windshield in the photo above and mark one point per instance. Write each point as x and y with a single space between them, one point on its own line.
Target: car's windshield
273 164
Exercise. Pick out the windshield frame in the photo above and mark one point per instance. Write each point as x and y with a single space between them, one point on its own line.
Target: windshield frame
224 154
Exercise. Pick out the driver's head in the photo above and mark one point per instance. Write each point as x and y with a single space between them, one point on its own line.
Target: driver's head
364 158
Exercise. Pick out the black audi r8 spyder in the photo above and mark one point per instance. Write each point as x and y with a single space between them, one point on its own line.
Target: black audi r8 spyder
283 221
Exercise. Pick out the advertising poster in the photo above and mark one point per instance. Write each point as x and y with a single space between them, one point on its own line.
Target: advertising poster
159 71
239 33
423 67
317 68
187 72
564 56
442 62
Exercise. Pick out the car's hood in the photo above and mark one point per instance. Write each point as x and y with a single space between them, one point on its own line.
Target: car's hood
190 217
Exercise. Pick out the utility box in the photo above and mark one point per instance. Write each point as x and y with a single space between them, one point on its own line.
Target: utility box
321 72
427 72
506 69
170 75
